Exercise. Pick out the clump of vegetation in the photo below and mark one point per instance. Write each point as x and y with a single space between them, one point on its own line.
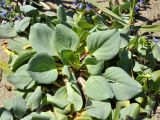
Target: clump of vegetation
82 64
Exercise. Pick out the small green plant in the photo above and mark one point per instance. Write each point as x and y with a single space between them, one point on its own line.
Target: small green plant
79 67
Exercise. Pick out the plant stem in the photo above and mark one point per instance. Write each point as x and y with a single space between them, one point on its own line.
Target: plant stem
57 84
132 11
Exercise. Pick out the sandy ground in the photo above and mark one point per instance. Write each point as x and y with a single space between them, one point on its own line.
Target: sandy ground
4 93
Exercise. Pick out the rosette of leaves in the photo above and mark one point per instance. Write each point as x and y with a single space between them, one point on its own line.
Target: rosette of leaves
59 74
60 79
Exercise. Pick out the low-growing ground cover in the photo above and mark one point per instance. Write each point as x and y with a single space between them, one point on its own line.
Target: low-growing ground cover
84 61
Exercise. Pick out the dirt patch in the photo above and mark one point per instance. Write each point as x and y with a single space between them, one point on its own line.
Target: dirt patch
150 14
5 86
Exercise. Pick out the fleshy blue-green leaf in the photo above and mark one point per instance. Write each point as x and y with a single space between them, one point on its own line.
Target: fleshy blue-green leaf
65 38
41 68
156 79
22 59
104 45
60 102
42 116
98 109
20 26
5 114
132 111
61 15
94 66
19 107
123 86
41 38
156 52
29 10
74 96
65 110
98 88
35 99
20 79
7 31
18 44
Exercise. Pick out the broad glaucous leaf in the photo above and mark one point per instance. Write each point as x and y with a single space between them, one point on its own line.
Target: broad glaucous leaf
61 15
156 52
20 79
94 66
35 99
8 104
61 93
130 111
104 45
124 36
65 71
60 102
156 80
125 60
137 67
22 59
98 109
74 96
65 110
5 114
18 44
19 107
42 69
60 116
29 10
7 31
41 38
98 88
65 38
123 86
20 26
36 116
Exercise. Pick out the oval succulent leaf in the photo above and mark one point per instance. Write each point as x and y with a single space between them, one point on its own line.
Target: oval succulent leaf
42 68
94 66
20 26
35 99
41 38
5 114
132 111
56 101
61 15
104 45
74 96
21 59
65 38
6 31
98 88
123 86
19 107
20 79
18 44
98 109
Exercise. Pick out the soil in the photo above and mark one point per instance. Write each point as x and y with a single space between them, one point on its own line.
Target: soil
5 93
150 15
